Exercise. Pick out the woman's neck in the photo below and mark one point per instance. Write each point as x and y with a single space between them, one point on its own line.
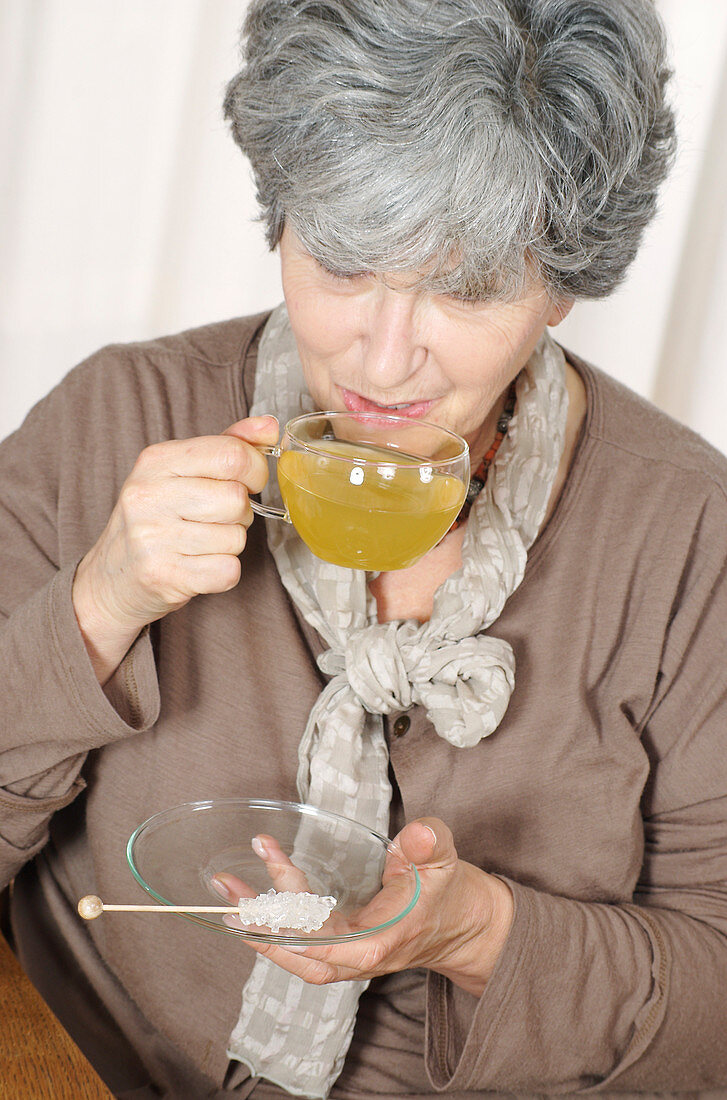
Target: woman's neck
409 593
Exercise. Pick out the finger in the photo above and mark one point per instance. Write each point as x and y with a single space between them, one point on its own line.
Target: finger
236 459
207 573
209 500
284 875
194 539
231 888
221 457
427 841
295 960
323 963
258 430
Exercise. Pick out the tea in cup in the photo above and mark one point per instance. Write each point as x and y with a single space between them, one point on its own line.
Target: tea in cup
366 490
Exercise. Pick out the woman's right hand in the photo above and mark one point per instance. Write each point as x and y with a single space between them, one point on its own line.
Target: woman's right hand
177 530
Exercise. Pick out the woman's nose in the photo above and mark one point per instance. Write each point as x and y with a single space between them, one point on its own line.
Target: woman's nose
393 349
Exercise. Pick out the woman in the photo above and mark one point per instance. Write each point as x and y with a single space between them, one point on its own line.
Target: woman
543 731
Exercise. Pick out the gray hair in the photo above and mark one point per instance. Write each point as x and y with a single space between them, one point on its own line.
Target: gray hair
477 143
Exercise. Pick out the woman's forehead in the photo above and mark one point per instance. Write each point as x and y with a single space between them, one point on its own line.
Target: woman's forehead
438 276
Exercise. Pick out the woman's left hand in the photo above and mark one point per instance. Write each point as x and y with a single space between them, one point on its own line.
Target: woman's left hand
458 926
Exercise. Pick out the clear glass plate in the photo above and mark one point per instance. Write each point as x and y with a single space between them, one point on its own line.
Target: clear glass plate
175 855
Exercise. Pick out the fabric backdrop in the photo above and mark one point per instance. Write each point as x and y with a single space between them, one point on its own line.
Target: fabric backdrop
126 211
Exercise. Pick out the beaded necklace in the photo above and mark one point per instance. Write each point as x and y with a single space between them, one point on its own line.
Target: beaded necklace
479 477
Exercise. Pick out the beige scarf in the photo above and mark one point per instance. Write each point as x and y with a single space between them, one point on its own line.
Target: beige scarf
291 1033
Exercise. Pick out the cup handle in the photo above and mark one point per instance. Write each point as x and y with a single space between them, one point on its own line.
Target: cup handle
265 509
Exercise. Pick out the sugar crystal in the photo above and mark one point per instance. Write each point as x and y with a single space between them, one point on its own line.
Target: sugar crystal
286 909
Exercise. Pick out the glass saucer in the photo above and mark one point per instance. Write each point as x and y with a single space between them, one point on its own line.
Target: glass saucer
176 853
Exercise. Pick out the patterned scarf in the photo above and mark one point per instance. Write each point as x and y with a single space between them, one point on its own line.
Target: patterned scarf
291 1033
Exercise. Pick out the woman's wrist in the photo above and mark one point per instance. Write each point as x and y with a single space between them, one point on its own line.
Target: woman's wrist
487 911
107 639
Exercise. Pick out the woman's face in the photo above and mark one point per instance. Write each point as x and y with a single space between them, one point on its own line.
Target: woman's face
370 345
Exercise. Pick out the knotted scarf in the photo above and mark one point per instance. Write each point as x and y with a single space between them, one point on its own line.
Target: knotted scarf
289 1032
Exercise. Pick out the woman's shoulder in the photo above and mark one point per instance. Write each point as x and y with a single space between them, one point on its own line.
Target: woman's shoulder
637 437
221 344
173 386
124 397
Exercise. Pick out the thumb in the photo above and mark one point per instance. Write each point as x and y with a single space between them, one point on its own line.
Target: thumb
255 429
426 842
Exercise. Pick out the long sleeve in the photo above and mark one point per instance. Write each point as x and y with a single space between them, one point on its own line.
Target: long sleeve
603 997
54 712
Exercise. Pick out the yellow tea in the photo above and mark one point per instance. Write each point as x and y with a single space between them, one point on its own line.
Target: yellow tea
383 512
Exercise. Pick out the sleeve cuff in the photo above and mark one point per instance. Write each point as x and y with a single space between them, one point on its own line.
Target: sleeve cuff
55 712
455 1017
576 997
130 702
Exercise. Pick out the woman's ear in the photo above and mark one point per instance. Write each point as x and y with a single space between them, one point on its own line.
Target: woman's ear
560 311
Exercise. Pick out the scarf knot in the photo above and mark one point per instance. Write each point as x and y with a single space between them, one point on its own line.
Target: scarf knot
463 685
378 660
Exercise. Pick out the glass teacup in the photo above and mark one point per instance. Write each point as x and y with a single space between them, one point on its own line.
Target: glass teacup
369 491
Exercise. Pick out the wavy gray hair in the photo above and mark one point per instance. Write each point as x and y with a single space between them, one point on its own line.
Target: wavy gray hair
474 142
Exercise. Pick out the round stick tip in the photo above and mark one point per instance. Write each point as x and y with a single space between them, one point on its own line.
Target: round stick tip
90 907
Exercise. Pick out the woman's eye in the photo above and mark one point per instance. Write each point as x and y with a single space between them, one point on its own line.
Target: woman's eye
465 300
341 276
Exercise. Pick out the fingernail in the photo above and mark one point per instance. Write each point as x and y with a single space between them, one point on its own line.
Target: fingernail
434 835
221 887
294 949
262 421
259 848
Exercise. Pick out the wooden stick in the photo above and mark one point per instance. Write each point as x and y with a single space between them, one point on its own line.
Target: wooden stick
91 907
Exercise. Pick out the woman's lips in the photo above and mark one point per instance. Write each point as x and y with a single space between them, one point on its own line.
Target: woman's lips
355 403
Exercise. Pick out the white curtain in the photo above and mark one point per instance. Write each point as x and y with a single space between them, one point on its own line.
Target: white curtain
126 211
664 332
